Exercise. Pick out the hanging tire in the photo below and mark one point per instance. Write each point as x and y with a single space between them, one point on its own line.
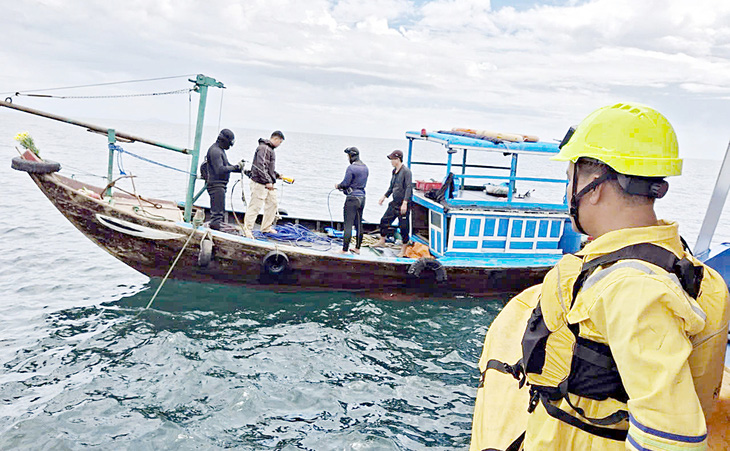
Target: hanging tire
206 252
35 167
425 267
276 264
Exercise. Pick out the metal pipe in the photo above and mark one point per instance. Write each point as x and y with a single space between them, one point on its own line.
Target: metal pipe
92 127
714 209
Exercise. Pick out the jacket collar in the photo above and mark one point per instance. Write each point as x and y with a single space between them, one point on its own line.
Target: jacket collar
664 234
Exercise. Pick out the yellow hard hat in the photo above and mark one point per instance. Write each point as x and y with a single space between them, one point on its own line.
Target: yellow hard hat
632 139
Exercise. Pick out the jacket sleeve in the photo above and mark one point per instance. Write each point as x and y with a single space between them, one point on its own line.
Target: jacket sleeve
272 165
407 186
218 164
647 321
345 183
390 188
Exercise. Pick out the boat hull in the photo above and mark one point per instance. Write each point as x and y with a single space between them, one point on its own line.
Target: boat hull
150 246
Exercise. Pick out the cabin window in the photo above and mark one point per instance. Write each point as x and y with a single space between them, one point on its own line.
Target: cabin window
435 219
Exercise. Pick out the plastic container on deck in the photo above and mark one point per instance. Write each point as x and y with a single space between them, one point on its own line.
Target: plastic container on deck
423 185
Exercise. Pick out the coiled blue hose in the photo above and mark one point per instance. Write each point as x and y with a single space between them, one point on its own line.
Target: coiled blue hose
297 234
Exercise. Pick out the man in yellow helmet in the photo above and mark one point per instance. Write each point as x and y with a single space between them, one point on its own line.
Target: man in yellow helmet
625 346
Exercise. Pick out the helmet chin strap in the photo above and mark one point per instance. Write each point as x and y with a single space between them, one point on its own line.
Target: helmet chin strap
576 197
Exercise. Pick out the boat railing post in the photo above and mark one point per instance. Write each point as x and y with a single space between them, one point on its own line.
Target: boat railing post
714 209
201 86
410 151
512 176
111 134
450 152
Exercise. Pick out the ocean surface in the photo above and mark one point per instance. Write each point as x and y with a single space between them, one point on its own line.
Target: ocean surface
85 366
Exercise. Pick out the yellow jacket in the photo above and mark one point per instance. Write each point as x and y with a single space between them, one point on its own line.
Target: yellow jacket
668 347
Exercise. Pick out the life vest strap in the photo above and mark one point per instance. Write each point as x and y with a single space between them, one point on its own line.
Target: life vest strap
689 275
614 418
555 412
515 371
594 357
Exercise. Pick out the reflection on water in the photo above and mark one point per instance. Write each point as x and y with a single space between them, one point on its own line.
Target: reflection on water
217 367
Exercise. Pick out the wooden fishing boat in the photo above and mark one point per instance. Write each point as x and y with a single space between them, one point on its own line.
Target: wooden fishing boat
477 244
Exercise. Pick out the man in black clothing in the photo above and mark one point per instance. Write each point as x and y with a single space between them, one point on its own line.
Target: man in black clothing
219 170
353 185
400 207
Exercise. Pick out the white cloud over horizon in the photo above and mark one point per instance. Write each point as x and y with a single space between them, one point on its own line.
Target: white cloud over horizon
381 67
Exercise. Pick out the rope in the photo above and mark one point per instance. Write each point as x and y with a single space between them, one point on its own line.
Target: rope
120 150
332 221
296 234
195 229
116 96
105 84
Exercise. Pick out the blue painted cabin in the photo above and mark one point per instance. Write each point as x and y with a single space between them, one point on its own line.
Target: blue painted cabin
468 222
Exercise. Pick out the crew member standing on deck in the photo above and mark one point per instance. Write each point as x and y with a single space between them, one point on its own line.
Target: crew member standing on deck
218 172
353 185
624 345
263 188
401 187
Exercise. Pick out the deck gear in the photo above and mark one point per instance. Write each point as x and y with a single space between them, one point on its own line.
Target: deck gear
572 373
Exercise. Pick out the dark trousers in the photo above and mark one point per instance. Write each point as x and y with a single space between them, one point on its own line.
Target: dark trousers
354 207
404 221
217 194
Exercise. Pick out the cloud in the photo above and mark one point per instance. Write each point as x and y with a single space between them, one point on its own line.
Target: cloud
378 68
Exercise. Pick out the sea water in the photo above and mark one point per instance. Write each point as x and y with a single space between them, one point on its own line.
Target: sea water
84 365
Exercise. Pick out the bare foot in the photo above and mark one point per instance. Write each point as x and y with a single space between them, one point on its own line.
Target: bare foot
340 251
402 252
248 234
355 251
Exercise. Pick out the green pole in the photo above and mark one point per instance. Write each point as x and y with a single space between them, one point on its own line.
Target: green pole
201 86
110 169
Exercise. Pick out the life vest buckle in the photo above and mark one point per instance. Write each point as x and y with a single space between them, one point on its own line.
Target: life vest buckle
534 400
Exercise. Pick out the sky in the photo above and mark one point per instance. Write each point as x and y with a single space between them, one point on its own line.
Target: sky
377 68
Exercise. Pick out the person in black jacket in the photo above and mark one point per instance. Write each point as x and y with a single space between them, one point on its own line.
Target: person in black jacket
401 187
219 170
353 185
263 190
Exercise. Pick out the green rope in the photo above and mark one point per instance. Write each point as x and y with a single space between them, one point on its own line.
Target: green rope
197 222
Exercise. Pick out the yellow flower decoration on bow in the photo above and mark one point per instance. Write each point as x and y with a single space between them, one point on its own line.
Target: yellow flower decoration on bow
26 141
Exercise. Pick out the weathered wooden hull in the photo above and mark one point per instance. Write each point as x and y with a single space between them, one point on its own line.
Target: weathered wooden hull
239 261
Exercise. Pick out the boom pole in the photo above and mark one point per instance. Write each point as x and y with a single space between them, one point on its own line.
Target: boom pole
201 87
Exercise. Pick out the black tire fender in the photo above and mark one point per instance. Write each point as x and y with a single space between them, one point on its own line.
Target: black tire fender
35 167
276 263
429 265
206 252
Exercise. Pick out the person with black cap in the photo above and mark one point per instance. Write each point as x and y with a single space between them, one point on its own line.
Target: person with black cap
401 187
353 185
216 173
263 190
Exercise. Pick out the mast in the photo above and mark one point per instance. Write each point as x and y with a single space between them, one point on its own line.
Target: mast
201 87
